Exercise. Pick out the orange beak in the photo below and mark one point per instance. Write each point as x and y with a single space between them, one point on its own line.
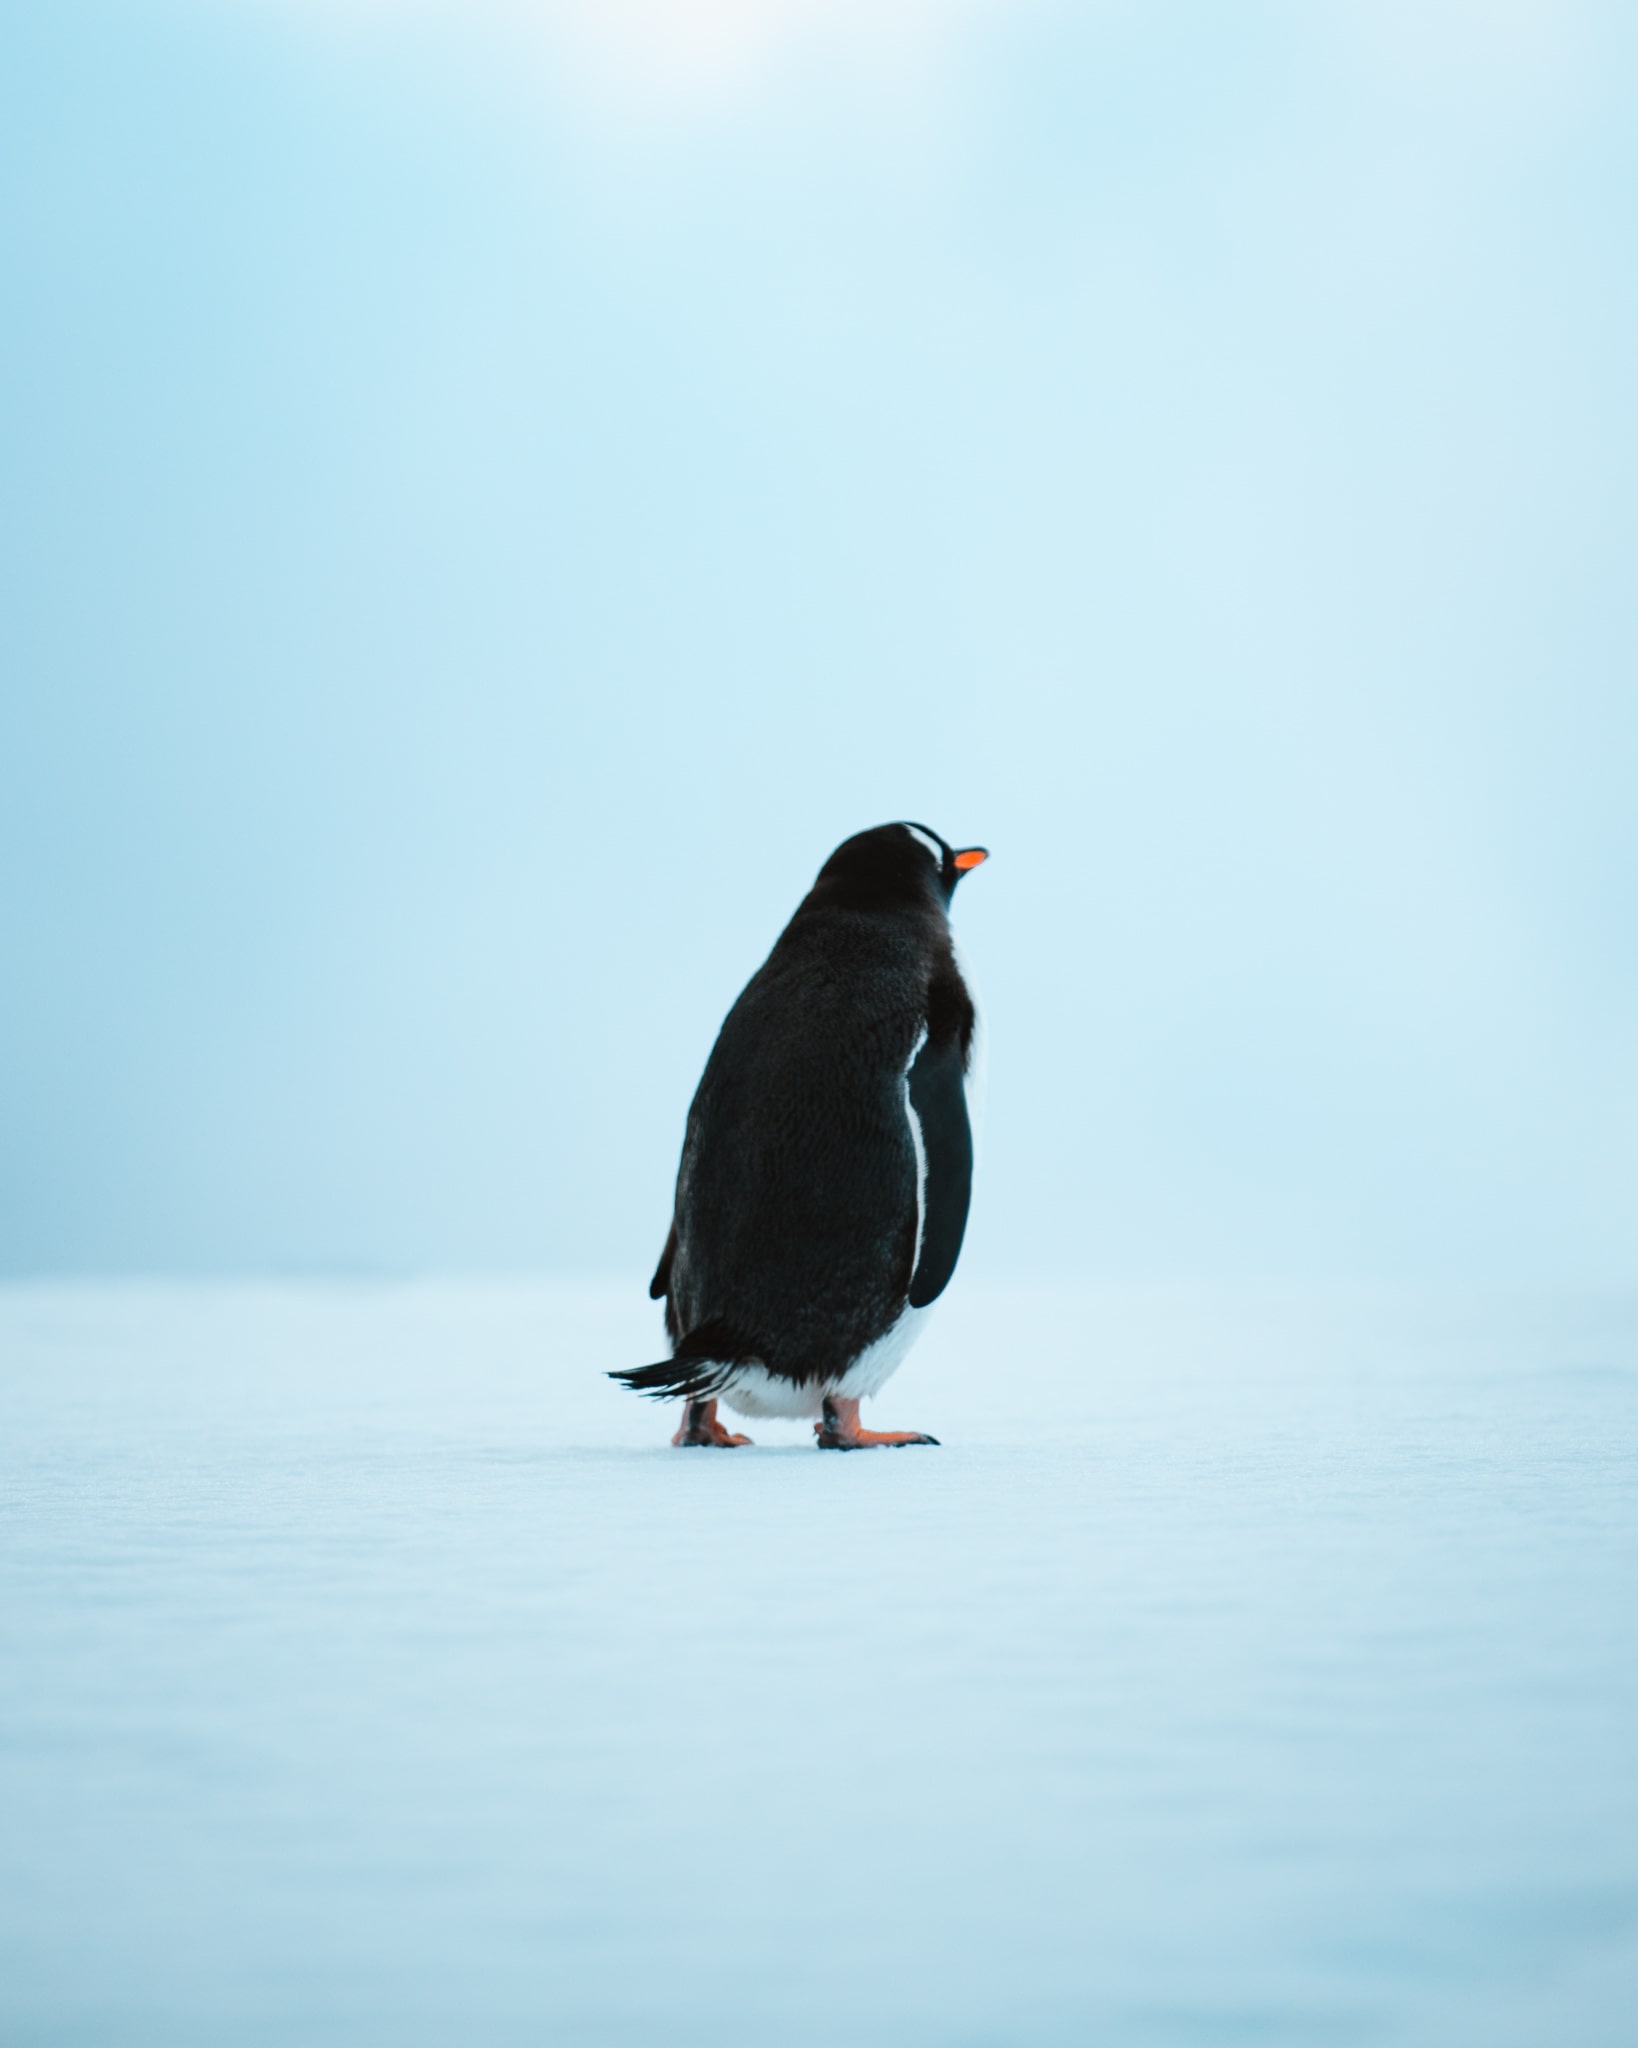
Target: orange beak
972 857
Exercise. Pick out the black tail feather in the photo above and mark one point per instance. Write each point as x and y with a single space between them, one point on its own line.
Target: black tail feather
671 1378
702 1365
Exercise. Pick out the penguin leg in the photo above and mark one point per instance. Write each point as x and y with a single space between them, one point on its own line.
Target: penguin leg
700 1426
841 1429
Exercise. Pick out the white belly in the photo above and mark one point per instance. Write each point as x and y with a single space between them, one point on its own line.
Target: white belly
753 1390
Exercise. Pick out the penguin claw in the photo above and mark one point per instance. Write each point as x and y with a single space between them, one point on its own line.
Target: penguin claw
700 1428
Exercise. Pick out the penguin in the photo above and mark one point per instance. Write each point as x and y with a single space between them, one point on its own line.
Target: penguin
827 1161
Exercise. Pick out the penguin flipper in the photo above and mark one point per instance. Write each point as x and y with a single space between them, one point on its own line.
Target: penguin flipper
938 1102
703 1361
660 1286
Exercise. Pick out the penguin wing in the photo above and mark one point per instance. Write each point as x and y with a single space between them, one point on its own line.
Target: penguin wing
938 1104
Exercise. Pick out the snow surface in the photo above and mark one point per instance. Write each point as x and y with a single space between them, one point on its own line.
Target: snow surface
1240 1670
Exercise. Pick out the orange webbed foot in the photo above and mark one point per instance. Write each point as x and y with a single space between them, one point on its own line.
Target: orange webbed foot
700 1426
841 1430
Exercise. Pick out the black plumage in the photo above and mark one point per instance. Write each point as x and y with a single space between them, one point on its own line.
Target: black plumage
827 1163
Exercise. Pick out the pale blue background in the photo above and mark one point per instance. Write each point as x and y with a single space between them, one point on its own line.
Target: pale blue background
489 500
493 490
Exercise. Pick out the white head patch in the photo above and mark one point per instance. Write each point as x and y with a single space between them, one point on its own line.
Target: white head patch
930 843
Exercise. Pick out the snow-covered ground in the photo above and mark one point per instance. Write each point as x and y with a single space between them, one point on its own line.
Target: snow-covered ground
1240 1670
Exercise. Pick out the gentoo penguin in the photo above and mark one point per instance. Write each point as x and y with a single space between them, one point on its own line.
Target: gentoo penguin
828 1158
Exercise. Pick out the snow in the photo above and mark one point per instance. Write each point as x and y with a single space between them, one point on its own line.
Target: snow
1241 1669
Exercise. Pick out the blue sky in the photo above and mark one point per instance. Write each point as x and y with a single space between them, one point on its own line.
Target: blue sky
493 493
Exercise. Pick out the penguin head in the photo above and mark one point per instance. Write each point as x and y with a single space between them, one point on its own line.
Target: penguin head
895 864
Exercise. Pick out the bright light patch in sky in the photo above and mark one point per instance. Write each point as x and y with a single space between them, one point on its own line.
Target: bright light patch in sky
708 53
701 53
